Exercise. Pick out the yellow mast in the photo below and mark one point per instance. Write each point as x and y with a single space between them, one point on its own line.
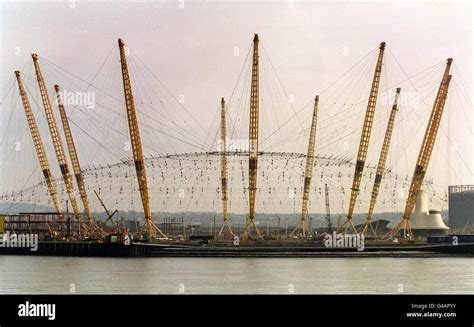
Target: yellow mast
381 163
224 170
73 154
365 136
137 145
303 226
425 153
38 143
253 140
57 142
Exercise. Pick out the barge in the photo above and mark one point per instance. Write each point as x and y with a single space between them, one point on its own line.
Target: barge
141 250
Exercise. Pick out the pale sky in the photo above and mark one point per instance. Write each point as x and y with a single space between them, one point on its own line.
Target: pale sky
192 48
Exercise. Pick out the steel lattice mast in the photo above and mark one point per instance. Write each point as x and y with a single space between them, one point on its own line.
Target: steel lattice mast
365 136
303 226
381 163
425 152
57 142
39 146
253 139
137 145
224 170
73 154
328 209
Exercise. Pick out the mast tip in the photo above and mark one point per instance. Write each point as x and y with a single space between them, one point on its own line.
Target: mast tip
255 38
382 45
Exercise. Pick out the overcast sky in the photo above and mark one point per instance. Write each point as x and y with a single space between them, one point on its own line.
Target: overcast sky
192 48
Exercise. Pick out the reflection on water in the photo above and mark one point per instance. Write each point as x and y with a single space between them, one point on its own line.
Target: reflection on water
21 274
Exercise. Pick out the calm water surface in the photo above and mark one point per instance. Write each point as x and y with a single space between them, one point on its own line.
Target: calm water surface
22 274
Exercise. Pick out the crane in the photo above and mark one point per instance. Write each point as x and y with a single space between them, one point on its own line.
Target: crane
39 146
365 137
303 226
425 153
57 142
253 140
328 209
224 170
73 154
134 130
109 215
381 163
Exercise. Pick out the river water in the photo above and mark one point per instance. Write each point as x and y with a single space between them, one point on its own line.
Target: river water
60 275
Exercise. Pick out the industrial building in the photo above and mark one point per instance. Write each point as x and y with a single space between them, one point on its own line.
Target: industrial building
461 208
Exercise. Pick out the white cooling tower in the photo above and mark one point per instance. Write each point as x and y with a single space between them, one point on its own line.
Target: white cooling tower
424 221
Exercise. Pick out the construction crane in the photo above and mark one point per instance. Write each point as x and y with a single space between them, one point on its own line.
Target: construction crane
253 140
381 164
73 154
303 226
224 170
39 146
152 229
109 215
328 209
365 137
425 153
57 142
